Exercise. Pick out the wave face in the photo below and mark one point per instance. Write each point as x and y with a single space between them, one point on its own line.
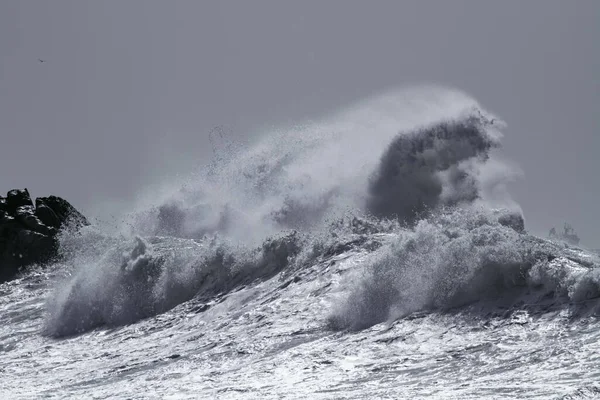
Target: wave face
430 167
138 278
256 210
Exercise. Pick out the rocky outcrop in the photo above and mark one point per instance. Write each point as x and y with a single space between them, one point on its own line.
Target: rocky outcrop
28 233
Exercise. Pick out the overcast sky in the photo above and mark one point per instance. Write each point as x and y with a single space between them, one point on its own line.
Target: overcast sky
130 89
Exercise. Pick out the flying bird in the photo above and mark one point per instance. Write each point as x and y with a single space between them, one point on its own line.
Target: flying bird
42 61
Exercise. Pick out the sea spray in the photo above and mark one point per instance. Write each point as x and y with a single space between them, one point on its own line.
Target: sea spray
256 210
457 257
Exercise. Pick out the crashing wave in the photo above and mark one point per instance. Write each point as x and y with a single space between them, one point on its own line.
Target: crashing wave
139 278
459 257
410 164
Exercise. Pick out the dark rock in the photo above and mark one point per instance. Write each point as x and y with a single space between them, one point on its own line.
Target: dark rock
28 234
35 248
4 217
8 226
568 235
23 248
66 213
46 214
17 198
26 216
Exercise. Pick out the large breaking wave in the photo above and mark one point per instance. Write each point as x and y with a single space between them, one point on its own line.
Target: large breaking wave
422 158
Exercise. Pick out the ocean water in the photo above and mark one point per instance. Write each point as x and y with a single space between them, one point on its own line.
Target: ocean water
375 253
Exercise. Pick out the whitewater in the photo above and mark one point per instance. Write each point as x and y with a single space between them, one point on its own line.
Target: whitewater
373 253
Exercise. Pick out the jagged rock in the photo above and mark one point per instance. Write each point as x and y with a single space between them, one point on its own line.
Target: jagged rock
568 235
17 198
4 217
26 216
28 234
65 212
23 248
7 225
46 214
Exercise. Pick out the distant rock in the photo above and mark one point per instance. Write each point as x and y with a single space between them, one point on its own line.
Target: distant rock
28 233
568 235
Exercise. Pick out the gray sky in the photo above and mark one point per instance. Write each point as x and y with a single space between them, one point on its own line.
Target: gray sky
130 88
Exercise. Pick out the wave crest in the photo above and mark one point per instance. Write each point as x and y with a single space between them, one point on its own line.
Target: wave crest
430 167
456 258
139 278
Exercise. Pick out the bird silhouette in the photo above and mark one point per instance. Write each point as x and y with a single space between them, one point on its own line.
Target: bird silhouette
42 61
